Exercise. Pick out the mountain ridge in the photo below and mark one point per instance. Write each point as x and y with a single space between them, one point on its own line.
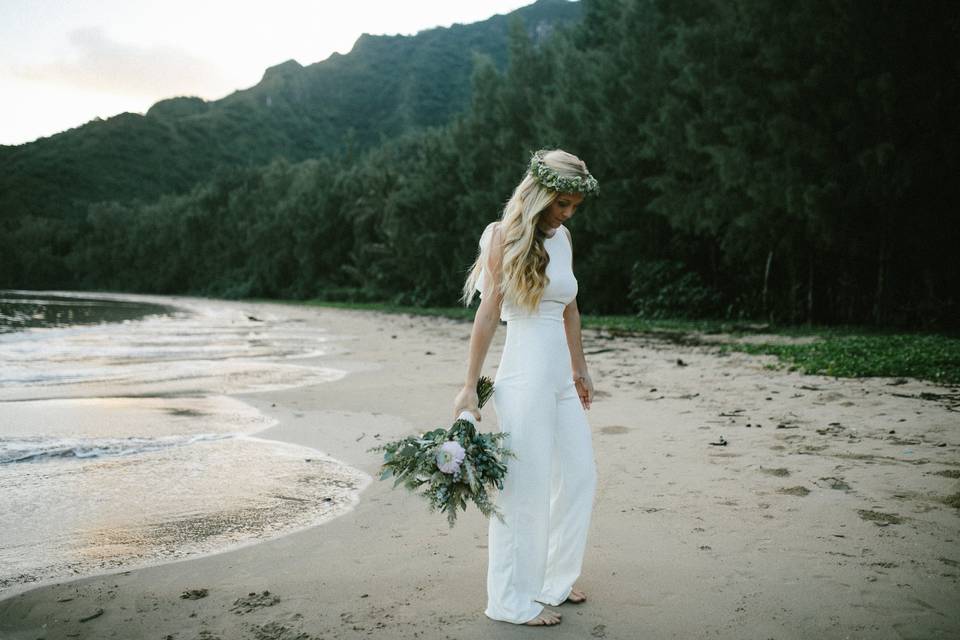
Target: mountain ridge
385 86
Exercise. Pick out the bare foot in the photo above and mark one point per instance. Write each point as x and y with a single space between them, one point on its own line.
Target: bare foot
576 596
546 618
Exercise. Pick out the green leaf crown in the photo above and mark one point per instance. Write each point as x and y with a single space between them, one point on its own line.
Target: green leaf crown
550 179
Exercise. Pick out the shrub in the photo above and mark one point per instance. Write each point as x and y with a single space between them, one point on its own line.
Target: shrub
666 289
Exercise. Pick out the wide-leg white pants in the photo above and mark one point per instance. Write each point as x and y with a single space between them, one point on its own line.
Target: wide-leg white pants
547 497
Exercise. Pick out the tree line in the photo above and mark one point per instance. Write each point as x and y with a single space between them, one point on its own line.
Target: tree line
791 162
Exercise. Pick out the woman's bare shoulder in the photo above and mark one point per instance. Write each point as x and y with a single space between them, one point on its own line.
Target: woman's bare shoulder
494 230
493 242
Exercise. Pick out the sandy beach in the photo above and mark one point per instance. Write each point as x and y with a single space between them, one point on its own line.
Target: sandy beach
825 514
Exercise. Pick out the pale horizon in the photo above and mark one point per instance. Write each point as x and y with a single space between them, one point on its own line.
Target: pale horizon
65 64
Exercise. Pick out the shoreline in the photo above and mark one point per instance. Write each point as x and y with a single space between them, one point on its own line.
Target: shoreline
319 519
678 525
203 538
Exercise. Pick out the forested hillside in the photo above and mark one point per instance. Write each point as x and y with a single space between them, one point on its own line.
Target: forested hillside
385 86
788 162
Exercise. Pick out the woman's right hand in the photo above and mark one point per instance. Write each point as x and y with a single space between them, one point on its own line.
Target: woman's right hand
467 400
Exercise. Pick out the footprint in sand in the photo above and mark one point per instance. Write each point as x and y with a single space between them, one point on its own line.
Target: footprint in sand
830 396
778 471
879 518
947 473
614 429
253 601
286 628
952 500
834 483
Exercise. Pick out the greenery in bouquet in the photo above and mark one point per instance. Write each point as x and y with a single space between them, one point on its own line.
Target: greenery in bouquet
456 465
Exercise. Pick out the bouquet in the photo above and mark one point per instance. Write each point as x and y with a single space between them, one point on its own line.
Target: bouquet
456 464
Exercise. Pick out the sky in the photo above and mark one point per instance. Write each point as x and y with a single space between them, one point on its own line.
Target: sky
65 62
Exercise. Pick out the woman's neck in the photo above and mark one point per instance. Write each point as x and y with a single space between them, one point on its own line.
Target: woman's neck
549 232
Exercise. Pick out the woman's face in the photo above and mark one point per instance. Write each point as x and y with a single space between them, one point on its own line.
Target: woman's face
560 210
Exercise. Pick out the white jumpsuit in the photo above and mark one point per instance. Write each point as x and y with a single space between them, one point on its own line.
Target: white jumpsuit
548 492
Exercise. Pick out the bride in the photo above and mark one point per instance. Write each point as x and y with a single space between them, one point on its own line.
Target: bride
524 273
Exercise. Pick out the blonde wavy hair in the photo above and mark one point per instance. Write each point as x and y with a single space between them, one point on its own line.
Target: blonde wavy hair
524 257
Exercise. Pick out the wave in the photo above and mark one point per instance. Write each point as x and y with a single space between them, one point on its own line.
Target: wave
46 449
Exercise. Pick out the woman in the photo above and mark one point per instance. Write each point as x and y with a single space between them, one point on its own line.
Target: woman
525 276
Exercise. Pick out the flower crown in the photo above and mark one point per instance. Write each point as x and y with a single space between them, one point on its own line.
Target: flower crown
550 179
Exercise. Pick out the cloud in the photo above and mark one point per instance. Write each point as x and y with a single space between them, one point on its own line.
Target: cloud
105 65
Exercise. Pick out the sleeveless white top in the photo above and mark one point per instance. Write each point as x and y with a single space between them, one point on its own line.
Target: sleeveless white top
561 286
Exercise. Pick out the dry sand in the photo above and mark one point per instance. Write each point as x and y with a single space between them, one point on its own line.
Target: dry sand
823 516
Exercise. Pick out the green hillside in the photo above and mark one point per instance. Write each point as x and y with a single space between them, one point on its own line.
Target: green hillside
385 86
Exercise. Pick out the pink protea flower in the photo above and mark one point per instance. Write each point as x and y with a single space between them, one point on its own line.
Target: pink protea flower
450 456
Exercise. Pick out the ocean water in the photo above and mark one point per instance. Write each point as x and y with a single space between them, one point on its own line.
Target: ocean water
21 310
120 444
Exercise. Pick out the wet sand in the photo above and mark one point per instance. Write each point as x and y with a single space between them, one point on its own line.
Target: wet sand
119 450
829 512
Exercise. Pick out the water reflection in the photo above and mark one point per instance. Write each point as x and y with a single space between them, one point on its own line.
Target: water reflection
21 310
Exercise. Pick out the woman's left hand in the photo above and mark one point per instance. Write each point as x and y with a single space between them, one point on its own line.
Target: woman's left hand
584 388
